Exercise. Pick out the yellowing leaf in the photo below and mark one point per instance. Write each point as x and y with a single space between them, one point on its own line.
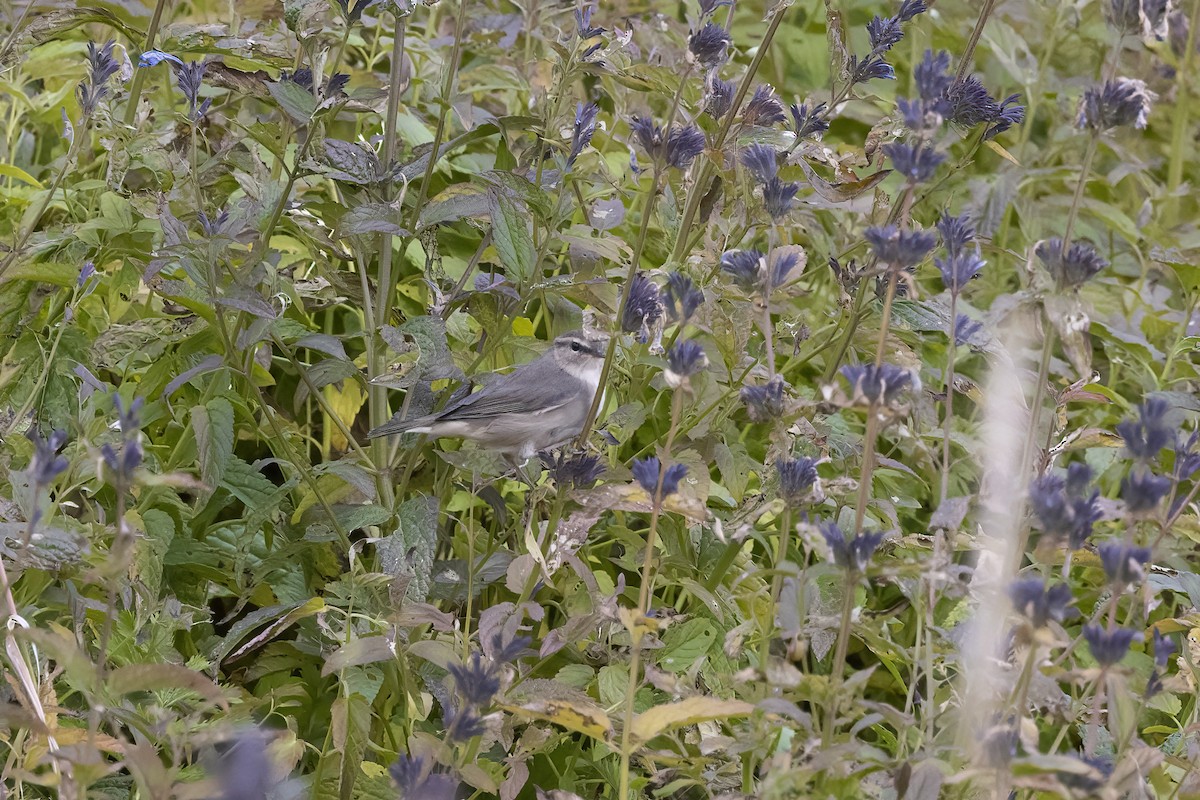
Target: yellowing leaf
686 712
522 326
345 402
19 174
583 718
1000 151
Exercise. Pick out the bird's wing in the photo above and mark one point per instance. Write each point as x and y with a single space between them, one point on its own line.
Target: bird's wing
396 425
511 395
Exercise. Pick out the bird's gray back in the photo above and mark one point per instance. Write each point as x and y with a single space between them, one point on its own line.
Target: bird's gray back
538 384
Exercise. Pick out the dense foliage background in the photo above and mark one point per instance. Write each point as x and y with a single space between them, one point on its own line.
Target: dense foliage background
867 562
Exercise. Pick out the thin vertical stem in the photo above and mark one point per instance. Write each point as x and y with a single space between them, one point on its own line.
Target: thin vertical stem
949 407
868 465
768 336
645 592
447 96
781 549
964 63
839 657
634 263
1073 212
377 410
700 185
885 323
139 74
1181 119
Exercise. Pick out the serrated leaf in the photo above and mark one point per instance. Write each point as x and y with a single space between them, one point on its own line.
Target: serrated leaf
351 726
247 484
407 554
330 370
510 233
373 218
434 361
353 518
296 101
651 723
154 677
457 202
367 650
684 644
351 162
213 425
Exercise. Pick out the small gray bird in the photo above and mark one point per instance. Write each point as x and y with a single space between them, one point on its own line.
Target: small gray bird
536 407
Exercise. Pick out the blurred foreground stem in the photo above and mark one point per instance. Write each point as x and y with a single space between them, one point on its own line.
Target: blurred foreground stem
1179 130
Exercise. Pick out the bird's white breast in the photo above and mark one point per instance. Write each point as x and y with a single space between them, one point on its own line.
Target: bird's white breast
589 373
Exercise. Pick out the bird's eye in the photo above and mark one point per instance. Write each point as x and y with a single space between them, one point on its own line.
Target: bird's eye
575 346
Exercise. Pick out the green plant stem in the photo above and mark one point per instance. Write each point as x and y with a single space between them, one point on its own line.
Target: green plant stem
1039 390
930 715
306 476
964 63
1049 336
769 336
39 385
19 244
16 29
868 466
1089 154
901 209
1093 729
634 261
839 657
139 73
781 549
316 394
1035 94
700 185
447 96
949 406
885 321
724 562
377 398
644 594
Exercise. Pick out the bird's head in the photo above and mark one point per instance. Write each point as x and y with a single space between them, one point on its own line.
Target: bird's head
581 354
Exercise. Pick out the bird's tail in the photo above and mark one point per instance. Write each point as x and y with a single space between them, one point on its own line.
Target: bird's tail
397 425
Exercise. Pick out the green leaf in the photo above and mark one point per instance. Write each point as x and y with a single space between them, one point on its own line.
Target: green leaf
407 554
433 362
59 274
213 424
351 728
247 484
154 677
353 518
514 243
352 163
373 218
296 101
278 618
684 644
